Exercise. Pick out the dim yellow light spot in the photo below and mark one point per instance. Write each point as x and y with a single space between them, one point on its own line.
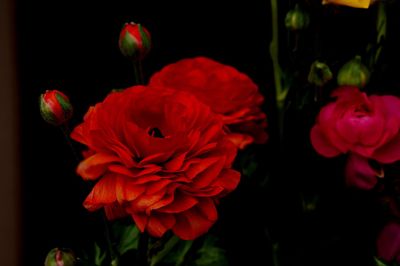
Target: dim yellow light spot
351 3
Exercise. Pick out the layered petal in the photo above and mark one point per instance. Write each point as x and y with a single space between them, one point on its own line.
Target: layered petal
225 90
368 127
158 155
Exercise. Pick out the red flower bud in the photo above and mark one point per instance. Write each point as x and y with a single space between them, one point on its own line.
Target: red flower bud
60 257
55 107
134 41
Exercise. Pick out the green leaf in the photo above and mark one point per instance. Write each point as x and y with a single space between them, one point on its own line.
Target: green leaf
173 252
379 262
99 255
381 23
128 236
248 164
210 255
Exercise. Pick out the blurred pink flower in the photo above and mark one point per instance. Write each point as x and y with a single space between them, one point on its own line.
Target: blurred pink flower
367 127
388 243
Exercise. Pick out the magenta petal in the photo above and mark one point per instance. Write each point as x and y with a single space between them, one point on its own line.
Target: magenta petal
388 243
321 144
390 152
359 173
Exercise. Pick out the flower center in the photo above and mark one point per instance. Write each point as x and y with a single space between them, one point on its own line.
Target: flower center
362 110
155 133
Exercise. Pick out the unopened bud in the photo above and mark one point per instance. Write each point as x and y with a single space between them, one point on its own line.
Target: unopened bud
353 73
134 41
55 107
60 257
319 74
297 19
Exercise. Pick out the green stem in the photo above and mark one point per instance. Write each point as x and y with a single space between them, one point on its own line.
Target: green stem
167 248
280 91
137 67
66 132
275 260
143 249
114 262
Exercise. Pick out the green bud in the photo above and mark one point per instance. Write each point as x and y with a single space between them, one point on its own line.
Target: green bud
353 73
319 74
60 257
297 19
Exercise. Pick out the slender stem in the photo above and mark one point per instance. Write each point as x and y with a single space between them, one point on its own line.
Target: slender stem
66 132
275 260
143 249
137 67
107 233
167 248
280 91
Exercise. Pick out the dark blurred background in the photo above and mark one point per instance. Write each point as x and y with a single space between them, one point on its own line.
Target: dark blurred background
72 46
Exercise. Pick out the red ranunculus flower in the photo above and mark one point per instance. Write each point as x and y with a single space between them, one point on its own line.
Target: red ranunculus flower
388 243
228 92
365 126
158 155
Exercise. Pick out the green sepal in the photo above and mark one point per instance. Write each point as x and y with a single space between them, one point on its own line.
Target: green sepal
128 45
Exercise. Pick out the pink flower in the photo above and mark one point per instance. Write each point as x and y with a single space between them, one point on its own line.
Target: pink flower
365 126
388 243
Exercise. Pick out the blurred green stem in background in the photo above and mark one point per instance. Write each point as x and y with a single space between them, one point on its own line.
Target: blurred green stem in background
281 91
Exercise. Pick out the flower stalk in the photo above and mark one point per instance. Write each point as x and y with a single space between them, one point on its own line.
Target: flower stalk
167 248
143 249
281 91
138 70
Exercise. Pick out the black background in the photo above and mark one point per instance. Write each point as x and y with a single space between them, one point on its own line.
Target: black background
72 46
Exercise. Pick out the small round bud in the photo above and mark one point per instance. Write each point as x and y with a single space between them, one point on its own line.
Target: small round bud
353 73
60 257
55 107
134 41
319 74
297 19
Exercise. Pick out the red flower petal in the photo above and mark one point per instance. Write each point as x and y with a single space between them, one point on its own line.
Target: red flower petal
176 163
140 219
181 203
103 193
228 179
94 166
207 208
205 178
240 140
191 224
159 223
198 166
225 90
115 211
164 160
127 190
